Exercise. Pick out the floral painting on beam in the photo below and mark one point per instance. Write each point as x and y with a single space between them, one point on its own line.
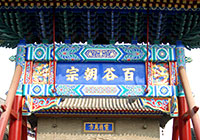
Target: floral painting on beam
160 73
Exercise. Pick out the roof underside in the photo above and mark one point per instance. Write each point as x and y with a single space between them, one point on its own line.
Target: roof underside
101 22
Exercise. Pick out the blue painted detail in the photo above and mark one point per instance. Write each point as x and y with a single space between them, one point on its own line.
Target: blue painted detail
164 90
134 42
173 91
141 102
180 56
77 76
22 42
100 53
155 90
67 41
163 54
151 91
20 58
98 127
174 107
67 90
46 90
40 53
133 91
28 93
37 89
179 44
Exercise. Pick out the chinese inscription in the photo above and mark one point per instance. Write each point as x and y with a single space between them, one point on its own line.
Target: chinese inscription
100 73
72 74
109 74
128 73
92 74
98 127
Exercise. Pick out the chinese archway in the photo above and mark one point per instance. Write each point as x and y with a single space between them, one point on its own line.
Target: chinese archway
113 59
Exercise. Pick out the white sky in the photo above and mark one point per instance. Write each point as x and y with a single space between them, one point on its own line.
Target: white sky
6 70
193 73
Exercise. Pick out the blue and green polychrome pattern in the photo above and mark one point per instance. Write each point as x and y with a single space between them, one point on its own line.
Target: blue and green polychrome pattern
180 54
174 106
99 90
20 55
20 60
167 105
20 86
110 53
35 104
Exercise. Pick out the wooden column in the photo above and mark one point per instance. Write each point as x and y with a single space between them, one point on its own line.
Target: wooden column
24 128
190 101
36 133
184 124
175 132
15 131
9 100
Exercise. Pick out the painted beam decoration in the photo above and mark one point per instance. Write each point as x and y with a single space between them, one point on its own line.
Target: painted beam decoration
39 103
75 90
100 70
105 53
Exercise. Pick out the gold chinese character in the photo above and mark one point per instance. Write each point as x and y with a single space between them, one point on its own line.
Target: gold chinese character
110 75
101 127
72 74
106 127
91 73
95 126
91 126
128 74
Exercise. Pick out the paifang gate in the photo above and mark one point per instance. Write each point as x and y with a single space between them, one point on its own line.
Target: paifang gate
102 71
110 81
100 87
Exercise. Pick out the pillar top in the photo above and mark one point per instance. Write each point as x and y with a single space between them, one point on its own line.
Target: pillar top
179 44
22 42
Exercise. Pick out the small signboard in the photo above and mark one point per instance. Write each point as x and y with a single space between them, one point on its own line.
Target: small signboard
99 127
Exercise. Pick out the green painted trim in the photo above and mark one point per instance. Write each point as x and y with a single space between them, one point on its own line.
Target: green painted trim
154 54
181 94
48 54
125 53
170 54
77 90
68 90
124 90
